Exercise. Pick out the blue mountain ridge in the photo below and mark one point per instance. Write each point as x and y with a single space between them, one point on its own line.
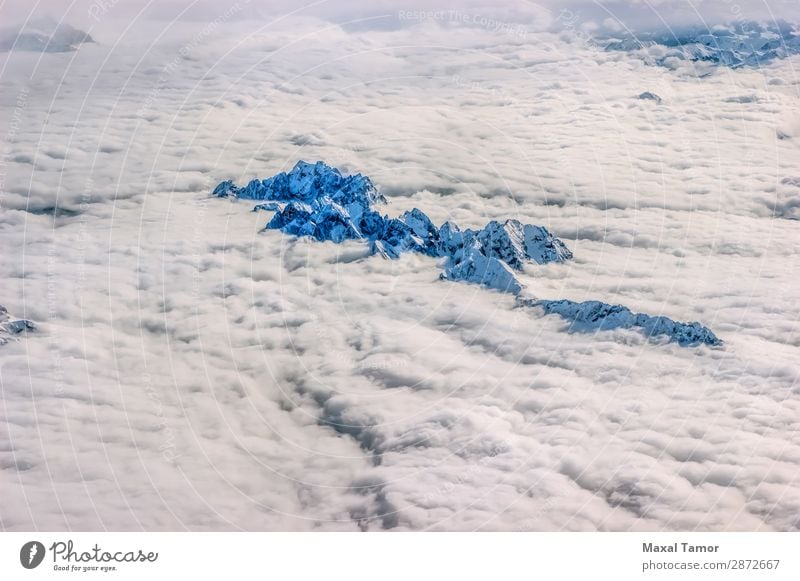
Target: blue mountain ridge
741 44
316 200
9 327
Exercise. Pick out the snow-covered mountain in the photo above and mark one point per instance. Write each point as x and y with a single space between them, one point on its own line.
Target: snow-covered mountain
318 201
735 45
591 316
9 327
43 35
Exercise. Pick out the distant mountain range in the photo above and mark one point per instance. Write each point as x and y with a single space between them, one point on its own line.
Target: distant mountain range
43 35
9 327
734 45
316 200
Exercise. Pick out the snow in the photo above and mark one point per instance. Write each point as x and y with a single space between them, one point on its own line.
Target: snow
474 266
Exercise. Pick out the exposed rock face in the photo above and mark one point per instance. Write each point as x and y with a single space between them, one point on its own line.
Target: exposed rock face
10 327
316 200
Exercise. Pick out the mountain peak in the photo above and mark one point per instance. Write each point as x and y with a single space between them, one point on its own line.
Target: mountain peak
43 35
740 44
9 327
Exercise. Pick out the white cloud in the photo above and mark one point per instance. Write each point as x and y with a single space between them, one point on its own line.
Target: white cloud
642 15
193 371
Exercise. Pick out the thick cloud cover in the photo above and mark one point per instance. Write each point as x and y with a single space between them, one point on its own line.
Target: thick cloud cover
190 371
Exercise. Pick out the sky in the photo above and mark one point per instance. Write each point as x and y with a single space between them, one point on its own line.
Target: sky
191 371
628 13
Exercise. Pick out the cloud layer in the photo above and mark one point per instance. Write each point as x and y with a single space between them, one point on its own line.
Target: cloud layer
193 372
